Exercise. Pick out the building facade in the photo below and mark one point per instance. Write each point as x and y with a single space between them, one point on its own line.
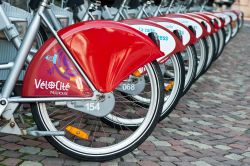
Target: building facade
243 5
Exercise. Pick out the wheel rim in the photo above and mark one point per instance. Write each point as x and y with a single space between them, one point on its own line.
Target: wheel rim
201 57
188 69
228 30
109 150
235 30
210 51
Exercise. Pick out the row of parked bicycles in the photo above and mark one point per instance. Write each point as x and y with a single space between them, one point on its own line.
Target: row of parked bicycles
100 75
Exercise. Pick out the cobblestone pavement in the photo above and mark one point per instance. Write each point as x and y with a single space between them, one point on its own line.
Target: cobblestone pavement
210 126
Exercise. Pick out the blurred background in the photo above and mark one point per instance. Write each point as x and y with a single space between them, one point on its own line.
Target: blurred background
243 5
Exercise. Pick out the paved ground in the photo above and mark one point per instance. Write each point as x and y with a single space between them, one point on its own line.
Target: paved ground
211 124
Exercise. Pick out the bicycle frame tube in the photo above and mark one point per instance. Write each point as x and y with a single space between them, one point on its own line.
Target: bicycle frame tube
87 14
23 53
5 21
57 25
119 13
108 12
203 5
170 6
141 11
157 11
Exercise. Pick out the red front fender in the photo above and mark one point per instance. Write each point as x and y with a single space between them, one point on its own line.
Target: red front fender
108 52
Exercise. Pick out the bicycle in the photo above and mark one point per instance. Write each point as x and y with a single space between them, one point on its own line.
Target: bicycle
68 94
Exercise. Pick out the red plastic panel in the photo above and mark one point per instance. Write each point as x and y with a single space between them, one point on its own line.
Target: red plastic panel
108 52
51 73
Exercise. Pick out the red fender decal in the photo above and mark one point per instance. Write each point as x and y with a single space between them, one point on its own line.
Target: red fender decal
210 28
200 29
231 13
169 43
227 19
218 23
175 25
108 52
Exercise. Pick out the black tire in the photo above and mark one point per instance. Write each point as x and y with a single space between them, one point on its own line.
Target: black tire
188 83
203 63
228 31
222 42
211 51
216 43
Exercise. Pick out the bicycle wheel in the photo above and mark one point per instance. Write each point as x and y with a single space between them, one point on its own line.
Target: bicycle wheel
222 39
202 56
189 57
211 50
216 43
101 142
241 21
235 26
228 31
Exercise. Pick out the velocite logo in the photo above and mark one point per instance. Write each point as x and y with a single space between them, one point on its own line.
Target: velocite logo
54 87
